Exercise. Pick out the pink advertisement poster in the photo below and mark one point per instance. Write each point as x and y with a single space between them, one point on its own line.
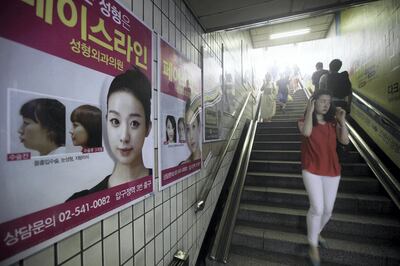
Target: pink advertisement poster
180 125
77 143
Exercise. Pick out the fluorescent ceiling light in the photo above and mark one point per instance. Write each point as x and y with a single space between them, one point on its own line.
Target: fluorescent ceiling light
289 33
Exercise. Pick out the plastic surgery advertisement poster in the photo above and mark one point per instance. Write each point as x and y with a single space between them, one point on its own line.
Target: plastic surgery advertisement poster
179 116
77 144
212 96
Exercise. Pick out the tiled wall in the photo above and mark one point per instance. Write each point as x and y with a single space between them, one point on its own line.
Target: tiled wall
150 232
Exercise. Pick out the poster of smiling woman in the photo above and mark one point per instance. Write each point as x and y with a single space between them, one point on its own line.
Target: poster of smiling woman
179 116
77 142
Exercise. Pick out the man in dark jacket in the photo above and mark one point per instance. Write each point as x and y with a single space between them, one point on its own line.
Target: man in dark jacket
317 75
338 84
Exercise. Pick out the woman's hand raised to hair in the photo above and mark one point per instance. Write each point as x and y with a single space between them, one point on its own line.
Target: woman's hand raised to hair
310 105
341 115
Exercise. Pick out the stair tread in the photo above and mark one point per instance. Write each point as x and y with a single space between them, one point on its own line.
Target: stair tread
240 260
304 193
297 162
334 244
343 217
291 175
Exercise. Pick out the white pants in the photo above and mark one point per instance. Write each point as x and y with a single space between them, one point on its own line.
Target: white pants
322 192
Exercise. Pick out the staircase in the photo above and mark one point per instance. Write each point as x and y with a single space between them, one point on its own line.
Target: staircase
271 223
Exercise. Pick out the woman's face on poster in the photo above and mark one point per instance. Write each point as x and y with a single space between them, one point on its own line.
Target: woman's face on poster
170 131
126 127
79 134
192 131
181 131
32 135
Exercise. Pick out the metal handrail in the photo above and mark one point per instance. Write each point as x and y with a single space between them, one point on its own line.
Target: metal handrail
383 116
384 176
224 221
375 164
208 184
223 239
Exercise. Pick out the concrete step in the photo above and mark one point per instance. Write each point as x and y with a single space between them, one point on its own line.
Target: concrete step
277 124
277 137
345 202
277 130
276 145
292 155
295 244
384 227
361 184
284 166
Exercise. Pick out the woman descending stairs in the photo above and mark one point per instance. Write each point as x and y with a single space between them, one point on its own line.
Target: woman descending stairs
271 223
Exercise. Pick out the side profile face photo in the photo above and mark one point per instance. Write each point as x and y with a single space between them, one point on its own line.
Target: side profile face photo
192 124
86 126
181 130
43 126
170 129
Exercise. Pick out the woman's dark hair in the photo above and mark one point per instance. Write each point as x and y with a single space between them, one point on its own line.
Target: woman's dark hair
50 113
90 118
335 65
330 115
171 119
135 82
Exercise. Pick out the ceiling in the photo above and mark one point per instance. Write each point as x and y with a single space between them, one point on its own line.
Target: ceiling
265 17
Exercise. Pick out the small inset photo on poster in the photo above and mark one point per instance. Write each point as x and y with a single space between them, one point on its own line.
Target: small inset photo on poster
36 125
181 130
85 128
170 130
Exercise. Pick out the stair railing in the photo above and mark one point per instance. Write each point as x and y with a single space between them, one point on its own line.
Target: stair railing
382 173
205 190
221 244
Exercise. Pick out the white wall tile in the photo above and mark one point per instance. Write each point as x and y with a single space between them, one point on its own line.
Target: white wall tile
149 204
110 225
157 19
159 247
174 233
149 225
137 7
166 213
139 258
164 27
138 235
42 258
158 222
167 239
173 208
148 13
150 253
75 261
129 262
93 256
138 210
68 247
125 216
126 243
111 250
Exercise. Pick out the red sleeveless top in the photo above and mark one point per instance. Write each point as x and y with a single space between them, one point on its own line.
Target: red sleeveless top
318 151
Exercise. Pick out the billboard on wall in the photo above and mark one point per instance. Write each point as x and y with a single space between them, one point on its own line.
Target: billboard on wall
180 139
232 81
212 97
77 144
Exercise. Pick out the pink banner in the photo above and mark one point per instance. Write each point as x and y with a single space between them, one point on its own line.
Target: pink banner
100 35
27 231
175 173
